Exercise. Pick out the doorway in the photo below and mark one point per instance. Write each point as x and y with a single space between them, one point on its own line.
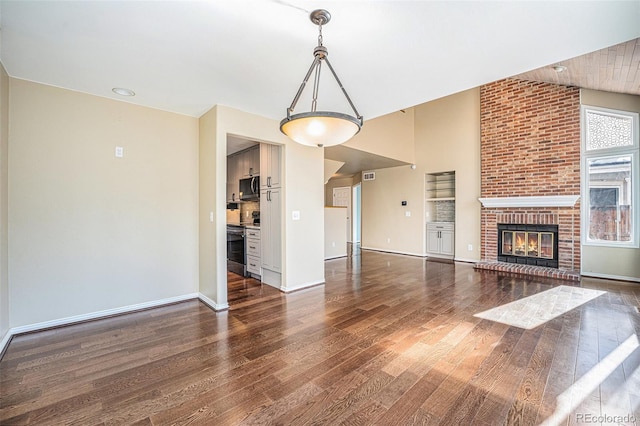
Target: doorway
357 213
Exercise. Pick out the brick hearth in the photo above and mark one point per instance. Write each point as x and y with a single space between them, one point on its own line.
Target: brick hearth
538 271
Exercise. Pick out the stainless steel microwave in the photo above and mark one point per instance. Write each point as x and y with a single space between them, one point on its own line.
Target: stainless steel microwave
250 188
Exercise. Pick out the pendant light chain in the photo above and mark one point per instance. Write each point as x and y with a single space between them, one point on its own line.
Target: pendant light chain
316 80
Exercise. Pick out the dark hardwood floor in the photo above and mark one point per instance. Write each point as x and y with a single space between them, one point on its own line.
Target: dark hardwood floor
389 340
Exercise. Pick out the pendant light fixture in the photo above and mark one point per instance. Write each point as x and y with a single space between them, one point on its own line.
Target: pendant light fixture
320 128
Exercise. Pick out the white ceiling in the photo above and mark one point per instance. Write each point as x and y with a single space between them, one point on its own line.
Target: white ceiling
186 56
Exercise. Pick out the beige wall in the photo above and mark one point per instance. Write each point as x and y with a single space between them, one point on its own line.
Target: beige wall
390 136
89 232
447 138
623 263
330 167
304 192
385 225
209 233
4 151
335 239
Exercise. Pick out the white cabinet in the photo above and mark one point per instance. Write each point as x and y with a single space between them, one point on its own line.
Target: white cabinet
253 251
440 239
233 178
271 229
249 162
270 166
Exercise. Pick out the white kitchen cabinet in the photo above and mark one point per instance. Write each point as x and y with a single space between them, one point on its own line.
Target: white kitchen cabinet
233 178
271 229
270 166
254 161
249 162
440 239
253 251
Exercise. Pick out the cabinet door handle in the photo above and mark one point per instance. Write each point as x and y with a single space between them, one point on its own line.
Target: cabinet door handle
269 182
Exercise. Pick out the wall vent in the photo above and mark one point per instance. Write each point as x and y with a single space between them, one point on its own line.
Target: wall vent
369 176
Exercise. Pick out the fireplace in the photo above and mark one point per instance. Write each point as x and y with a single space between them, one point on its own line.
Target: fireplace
528 244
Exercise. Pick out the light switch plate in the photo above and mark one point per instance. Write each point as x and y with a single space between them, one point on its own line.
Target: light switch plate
295 215
119 152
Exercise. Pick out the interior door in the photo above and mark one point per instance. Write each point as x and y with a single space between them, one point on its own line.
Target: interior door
342 197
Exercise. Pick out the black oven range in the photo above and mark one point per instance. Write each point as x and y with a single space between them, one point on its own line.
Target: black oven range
236 259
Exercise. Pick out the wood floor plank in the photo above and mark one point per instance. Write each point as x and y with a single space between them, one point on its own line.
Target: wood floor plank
388 339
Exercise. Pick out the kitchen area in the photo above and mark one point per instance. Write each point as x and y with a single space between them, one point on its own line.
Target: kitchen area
253 210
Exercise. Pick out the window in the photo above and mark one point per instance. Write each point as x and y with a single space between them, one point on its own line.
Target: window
610 177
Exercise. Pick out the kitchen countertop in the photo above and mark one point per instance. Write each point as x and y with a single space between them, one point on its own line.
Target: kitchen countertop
244 225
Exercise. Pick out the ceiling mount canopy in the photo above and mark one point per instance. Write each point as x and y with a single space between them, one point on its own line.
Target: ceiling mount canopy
320 128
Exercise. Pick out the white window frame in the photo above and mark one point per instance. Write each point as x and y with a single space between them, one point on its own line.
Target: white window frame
629 150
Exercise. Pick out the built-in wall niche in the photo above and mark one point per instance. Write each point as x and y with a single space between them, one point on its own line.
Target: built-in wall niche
440 214
440 196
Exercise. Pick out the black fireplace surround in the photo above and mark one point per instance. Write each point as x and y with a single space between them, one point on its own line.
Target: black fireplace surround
528 244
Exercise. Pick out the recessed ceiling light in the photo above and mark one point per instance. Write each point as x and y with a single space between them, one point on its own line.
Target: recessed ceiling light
123 92
559 68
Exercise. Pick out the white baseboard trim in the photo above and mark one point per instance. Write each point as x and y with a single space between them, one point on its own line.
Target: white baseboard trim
610 277
335 257
213 305
395 252
4 343
91 316
301 287
460 259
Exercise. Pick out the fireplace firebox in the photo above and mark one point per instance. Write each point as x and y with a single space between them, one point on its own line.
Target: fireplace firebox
528 244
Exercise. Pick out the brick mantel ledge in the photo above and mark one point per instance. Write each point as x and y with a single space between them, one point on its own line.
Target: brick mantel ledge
537 201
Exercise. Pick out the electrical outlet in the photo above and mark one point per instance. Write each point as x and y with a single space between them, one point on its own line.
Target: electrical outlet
388 240
407 214
470 247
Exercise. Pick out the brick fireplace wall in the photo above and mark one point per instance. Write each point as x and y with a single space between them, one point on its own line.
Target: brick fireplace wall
530 146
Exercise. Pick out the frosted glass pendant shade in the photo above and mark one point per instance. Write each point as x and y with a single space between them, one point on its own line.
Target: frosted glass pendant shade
320 128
